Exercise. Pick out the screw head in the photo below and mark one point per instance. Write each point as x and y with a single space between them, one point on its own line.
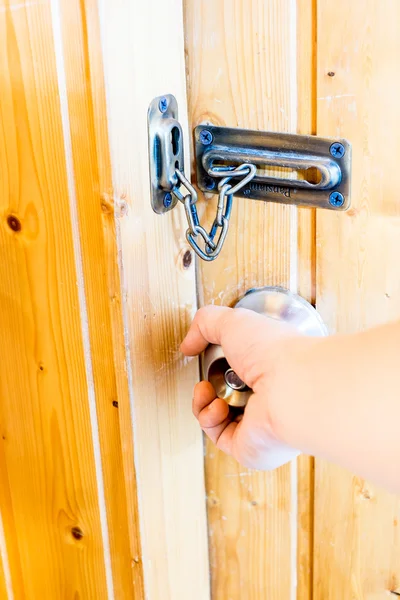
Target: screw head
336 199
206 137
163 105
209 183
167 199
337 150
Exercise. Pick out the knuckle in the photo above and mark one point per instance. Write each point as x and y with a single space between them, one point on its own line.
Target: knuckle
203 314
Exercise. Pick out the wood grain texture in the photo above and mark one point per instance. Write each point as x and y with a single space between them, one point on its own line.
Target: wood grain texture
5 591
241 72
96 213
306 271
357 541
159 299
49 497
3 588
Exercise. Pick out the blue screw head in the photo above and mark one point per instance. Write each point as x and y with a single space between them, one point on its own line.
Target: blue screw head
209 183
336 199
337 150
163 105
167 200
206 137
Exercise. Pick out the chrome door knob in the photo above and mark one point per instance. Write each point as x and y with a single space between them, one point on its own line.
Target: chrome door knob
274 303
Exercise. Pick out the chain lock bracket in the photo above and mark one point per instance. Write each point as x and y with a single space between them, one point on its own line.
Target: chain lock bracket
275 167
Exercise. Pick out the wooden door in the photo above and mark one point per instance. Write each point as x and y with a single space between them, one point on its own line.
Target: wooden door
101 463
106 488
308 530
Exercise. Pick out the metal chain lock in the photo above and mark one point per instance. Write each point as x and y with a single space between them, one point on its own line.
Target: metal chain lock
311 171
213 241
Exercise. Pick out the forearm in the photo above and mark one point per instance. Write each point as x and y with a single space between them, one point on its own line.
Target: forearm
343 402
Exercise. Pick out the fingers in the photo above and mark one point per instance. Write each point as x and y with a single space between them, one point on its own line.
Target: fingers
207 328
204 394
215 419
226 437
211 412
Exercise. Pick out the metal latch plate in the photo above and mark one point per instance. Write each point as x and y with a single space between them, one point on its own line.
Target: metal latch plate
291 169
166 151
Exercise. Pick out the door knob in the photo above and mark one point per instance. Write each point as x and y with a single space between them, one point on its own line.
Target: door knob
274 303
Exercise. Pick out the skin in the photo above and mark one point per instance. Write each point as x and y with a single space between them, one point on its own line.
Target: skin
336 398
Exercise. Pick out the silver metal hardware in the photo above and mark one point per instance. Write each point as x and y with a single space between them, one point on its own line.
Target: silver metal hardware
316 166
166 152
214 240
233 380
275 303
233 162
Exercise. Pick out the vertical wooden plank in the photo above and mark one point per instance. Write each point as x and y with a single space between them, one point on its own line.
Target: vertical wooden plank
241 63
357 542
3 588
143 58
10 550
90 160
306 115
49 475
306 124
6 591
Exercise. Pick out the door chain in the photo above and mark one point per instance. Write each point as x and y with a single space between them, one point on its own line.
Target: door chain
312 171
213 241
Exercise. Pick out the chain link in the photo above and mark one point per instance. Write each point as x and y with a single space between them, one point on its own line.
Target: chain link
212 246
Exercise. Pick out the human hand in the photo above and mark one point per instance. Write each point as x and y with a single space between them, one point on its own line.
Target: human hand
257 348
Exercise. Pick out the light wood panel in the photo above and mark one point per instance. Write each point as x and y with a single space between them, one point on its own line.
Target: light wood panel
11 546
306 273
90 161
3 588
4 571
48 475
241 63
143 58
357 542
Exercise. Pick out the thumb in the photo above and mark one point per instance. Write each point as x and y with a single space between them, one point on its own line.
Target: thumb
218 325
237 330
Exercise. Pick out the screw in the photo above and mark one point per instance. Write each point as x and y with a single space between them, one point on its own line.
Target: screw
337 150
209 183
336 199
167 199
206 137
163 105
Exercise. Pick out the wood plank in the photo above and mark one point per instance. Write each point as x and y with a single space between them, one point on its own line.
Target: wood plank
306 116
5 586
49 492
242 72
10 541
306 124
357 542
96 213
158 300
